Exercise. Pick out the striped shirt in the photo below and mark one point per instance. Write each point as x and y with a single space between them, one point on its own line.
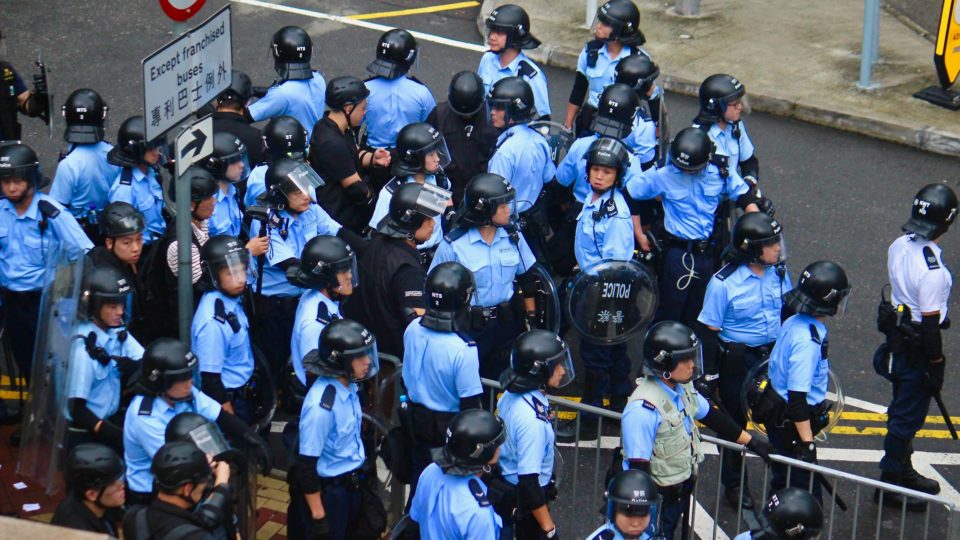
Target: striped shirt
202 234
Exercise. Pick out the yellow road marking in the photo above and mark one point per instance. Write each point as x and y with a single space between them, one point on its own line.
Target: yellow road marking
414 11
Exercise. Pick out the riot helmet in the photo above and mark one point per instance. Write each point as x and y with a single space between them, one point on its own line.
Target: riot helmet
483 198
472 439
667 344
795 514
132 144
224 261
466 94
327 262
239 92
933 211
345 349
540 360
104 285
179 463
637 71
344 91
205 435
752 233
421 148
92 466
228 150
292 49
514 97
822 289
19 161
410 205
608 152
716 93
616 108
633 494
120 218
283 136
285 177
514 23
447 291
166 362
396 53
623 18
202 184
85 113
691 150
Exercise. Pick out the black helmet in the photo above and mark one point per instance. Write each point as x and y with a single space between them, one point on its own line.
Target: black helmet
341 342
716 92
623 17
631 492
202 184
466 93
227 150
204 434
410 204
934 209
821 290
668 343
283 136
447 292
18 160
132 143
795 514
515 97
120 218
182 424
473 437
103 285
344 91
224 252
323 259
292 49
515 23
638 72
751 233
534 360
286 176
85 113
483 195
165 362
414 142
179 463
616 108
608 152
396 53
92 466
240 90
691 149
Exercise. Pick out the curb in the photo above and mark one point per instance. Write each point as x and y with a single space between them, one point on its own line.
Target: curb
924 138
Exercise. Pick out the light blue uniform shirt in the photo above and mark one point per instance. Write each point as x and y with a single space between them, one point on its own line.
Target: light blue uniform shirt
745 306
529 447
642 139
689 200
744 536
310 320
143 435
490 72
598 534
89 379
24 248
728 145
382 209
439 368
391 105
303 100
796 363
523 158
640 424
83 178
494 265
218 348
333 434
573 168
226 218
256 185
287 241
144 192
604 72
448 507
607 238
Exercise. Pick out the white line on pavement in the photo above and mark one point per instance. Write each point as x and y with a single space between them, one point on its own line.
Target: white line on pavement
703 524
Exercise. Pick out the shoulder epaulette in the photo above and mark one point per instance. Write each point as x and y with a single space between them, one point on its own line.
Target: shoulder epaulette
647 405
814 335
467 339
476 489
221 316
50 211
126 176
146 406
505 139
455 234
323 313
727 271
930 258
416 80
605 534
328 398
526 69
540 409
393 184
593 51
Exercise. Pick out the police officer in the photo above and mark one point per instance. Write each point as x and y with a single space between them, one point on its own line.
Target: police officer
691 188
229 165
35 226
392 294
283 136
799 368
298 90
790 514
15 97
921 284
632 502
138 182
84 175
466 128
441 369
94 478
487 241
540 361
329 466
232 115
508 34
103 356
663 409
451 502
396 98
739 324
639 72
721 109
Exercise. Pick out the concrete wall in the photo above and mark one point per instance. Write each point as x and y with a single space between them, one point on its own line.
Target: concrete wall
925 13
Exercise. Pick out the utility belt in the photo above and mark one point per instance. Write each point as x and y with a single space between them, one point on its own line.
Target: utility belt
689 246
26 296
480 316
903 335
770 408
427 426
285 303
505 497
351 481
733 356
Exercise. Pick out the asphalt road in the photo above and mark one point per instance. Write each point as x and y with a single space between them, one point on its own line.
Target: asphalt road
840 196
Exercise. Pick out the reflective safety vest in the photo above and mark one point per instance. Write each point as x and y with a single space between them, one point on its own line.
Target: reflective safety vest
676 453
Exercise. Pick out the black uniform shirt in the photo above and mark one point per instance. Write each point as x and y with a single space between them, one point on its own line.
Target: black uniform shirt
73 514
471 143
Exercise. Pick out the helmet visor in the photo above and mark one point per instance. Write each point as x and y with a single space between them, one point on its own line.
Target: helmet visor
113 310
232 268
560 368
503 209
238 167
434 157
363 363
686 359
344 270
770 251
301 178
842 305
433 200
209 440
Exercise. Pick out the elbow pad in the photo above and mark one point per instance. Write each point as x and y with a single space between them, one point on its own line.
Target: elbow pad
354 240
711 347
579 91
654 104
231 425
213 510
471 402
750 167
213 386
930 337
748 198
307 478
639 465
83 417
357 192
527 283
797 408
531 494
721 424
36 105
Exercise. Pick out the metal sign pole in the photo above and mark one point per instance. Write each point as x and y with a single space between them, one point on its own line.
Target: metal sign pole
184 259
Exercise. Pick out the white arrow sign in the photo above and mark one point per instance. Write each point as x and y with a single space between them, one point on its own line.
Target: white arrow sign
194 144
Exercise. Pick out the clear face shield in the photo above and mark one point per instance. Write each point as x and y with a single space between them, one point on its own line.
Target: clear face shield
363 363
771 251
561 369
302 179
433 200
231 274
238 168
160 146
346 272
503 209
435 156
742 102
209 440
842 305
687 364
112 311
498 113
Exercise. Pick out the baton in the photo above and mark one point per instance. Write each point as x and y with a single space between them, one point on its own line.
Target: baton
828 487
946 416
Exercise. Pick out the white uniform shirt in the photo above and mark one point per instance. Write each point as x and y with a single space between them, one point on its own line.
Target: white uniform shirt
918 277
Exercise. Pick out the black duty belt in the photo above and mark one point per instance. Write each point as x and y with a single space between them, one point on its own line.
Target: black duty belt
690 246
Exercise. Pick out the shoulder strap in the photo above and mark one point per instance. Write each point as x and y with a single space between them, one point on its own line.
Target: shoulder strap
722 163
393 184
466 338
328 398
593 51
126 176
814 335
476 489
140 524
455 233
525 69
50 211
220 315
605 534
930 258
727 271
146 406
416 80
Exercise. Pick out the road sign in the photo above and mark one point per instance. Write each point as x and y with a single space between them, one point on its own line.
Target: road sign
194 144
947 54
181 10
187 73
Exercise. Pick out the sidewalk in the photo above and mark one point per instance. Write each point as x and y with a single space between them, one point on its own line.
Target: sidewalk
797 59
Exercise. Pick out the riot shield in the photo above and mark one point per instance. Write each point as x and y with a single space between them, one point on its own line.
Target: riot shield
43 436
261 392
758 380
545 298
610 301
663 131
558 137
